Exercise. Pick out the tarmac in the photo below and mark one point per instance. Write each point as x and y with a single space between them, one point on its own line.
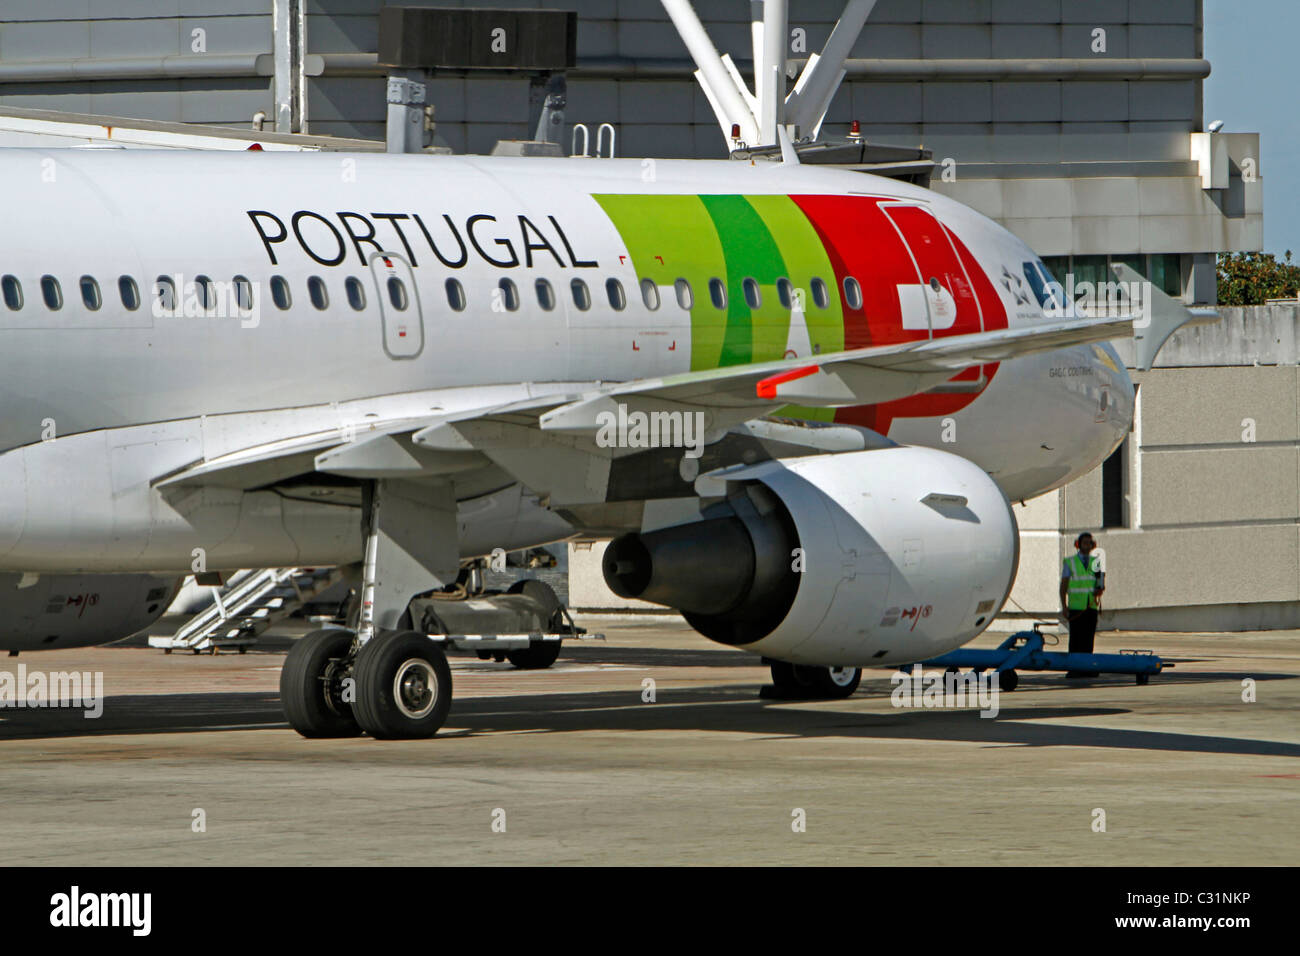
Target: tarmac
191 762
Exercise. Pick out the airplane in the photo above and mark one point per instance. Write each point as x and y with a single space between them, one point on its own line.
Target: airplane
398 363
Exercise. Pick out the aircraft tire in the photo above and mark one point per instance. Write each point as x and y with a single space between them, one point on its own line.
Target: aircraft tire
403 686
535 657
829 683
312 703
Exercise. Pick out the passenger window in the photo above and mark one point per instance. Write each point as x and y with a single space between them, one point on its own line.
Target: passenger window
581 294
320 296
243 293
685 298
783 293
545 294
164 290
207 295
280 292
650 294
821 296
752 297
718 294
51 292
397 293
456 295
614 289
13 292
852 293
129 292
509 294
356 293
90 296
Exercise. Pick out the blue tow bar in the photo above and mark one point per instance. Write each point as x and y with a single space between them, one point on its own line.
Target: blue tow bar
1024 651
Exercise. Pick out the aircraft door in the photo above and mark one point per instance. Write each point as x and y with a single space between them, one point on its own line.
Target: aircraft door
399 305
946 300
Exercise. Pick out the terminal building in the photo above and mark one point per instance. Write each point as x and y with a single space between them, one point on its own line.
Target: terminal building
1077 124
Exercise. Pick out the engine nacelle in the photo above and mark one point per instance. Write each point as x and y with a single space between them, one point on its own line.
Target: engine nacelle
868 558
79 610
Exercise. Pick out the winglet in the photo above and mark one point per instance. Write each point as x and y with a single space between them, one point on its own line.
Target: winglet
1166 316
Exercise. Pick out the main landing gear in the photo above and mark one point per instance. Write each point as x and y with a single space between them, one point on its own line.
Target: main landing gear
802 682
389 677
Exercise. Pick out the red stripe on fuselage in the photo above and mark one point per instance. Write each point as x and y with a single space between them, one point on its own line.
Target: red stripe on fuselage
867 242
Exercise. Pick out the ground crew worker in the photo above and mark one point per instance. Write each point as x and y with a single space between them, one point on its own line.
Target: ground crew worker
1082 584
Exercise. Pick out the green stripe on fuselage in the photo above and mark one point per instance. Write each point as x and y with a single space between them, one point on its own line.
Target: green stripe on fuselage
752 335
805 259
699 238
679 230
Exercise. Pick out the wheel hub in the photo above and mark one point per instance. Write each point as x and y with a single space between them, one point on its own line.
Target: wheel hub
415 688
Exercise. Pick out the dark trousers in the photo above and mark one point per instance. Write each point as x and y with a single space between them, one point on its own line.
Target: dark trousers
1083 628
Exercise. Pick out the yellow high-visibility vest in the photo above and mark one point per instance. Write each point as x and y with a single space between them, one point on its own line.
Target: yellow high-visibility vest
1081 593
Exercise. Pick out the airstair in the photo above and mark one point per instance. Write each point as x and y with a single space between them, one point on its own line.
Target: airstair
247 605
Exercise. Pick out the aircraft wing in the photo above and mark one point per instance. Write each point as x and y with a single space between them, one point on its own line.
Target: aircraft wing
549 440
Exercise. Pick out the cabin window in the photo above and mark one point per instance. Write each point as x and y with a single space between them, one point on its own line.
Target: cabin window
51 292
13 292
718 293
685 298
318 294
614 289
280 292
243 293
90 296
456 295
129 293
509 294
397 293
821 296
650 294
207 294
545 294
581 294
165 291
852 293
783 293
356 293
752 297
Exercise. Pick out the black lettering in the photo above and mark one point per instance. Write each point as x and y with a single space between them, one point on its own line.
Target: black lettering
357 240
514 257
392 217
529 245
464 253
267 241
577 263
343 249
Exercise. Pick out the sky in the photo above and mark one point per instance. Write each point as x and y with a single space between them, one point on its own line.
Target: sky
1254 51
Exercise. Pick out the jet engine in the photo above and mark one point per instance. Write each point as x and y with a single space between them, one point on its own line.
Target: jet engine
47 611
864 558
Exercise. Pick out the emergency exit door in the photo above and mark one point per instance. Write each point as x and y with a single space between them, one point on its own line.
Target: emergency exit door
399 305
945 301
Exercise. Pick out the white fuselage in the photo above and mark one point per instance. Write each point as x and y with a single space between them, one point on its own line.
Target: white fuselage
100 403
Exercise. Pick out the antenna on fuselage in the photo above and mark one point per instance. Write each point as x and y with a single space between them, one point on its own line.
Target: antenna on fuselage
760 114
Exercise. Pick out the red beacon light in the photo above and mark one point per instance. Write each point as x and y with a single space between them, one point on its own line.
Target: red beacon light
855 130
257 146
